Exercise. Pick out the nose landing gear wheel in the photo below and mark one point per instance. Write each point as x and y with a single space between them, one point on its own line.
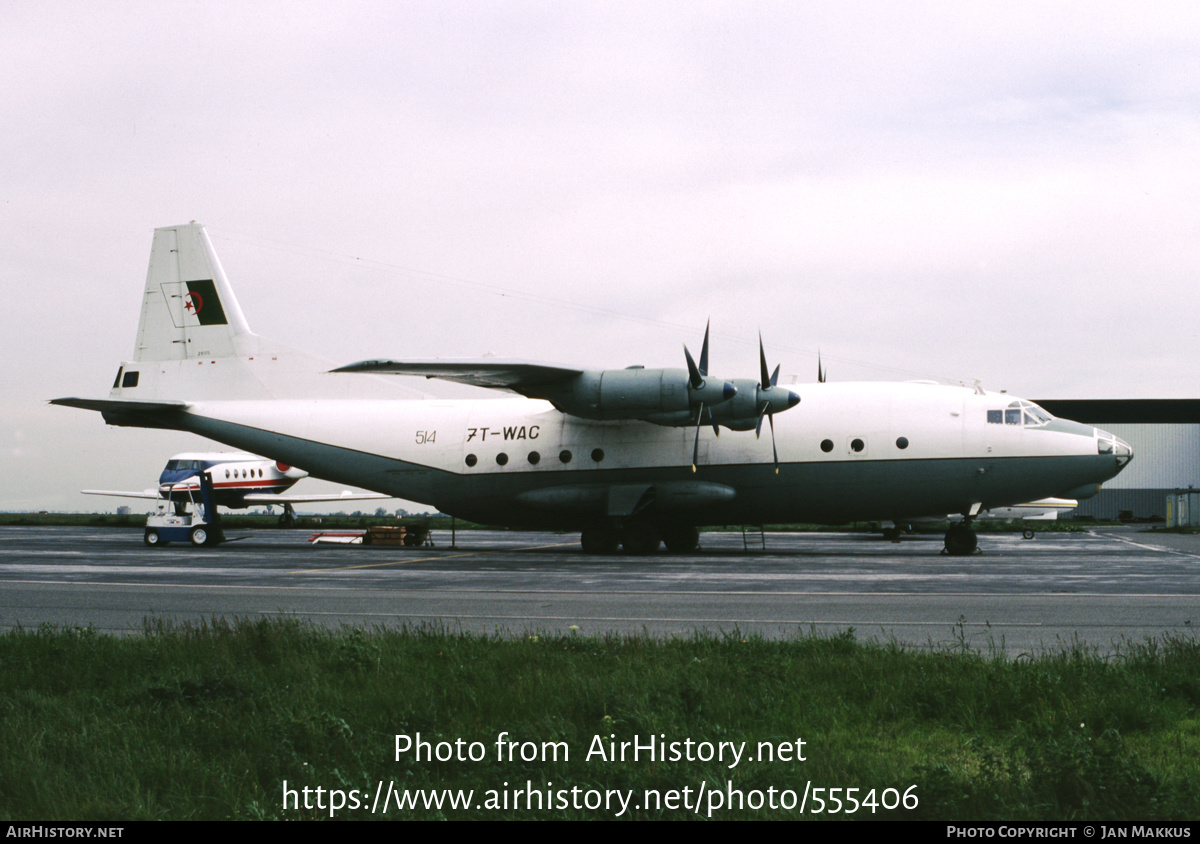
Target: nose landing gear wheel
961 541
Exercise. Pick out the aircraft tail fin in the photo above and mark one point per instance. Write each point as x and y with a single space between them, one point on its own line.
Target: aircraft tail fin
188 308
193 343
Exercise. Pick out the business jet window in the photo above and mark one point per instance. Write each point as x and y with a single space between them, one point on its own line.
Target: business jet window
472 459
597 454
564 456
902 443
826 446
534 457
502 458
857 445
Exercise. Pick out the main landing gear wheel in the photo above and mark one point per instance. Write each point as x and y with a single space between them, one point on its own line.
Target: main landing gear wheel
961 541
599 540
681 539
152 538
640 540
637 540
198 536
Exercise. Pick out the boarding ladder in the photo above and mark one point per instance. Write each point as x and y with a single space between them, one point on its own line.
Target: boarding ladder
754 537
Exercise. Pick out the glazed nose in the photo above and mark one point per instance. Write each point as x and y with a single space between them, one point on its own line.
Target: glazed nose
1124 451
1107 443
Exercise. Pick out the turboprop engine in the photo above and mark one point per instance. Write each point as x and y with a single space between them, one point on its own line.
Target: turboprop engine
661 396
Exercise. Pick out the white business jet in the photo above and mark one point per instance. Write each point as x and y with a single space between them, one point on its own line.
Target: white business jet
239 480
624 456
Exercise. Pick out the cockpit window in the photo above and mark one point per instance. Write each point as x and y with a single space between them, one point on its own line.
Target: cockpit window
1041 416
1023 413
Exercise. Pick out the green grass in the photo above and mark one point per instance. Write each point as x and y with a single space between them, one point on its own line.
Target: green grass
207 722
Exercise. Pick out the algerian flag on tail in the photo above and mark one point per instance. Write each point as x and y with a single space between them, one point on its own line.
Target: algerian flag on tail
194 303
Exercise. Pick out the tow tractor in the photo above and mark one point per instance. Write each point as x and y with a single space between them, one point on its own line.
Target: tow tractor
182 517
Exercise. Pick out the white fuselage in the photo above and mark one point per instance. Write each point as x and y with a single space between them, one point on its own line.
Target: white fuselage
520 461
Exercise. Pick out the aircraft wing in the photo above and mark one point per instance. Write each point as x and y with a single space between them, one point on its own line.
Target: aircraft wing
518 376
146 493
270 498
1045 509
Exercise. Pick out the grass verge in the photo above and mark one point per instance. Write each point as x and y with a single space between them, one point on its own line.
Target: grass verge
219 720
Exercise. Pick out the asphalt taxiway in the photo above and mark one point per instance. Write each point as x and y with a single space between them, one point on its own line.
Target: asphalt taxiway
1101 588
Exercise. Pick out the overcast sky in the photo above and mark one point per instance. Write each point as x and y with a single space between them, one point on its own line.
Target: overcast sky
1006 192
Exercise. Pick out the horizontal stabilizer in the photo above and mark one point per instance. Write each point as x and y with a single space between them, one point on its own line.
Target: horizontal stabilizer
139 414
123 405
146 493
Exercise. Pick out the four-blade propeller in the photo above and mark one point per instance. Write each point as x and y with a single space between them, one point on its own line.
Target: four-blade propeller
771 399
696 386
741 406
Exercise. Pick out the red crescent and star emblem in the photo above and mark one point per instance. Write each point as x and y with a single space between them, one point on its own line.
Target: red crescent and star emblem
192 303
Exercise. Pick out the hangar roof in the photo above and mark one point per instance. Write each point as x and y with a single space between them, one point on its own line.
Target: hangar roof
1109 411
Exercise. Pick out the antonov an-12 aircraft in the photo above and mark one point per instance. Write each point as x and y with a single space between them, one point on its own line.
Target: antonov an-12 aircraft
629 457
239 480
